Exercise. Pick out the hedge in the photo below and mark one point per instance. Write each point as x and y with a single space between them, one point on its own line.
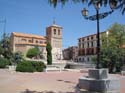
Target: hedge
39 66
30 66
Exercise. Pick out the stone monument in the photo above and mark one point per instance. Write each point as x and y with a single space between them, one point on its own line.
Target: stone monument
98 81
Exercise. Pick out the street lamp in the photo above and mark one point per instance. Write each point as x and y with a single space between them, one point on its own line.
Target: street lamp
107 33
97 17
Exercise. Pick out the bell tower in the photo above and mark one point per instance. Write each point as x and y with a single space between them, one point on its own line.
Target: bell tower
54 36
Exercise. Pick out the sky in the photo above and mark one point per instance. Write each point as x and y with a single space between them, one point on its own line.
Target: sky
33 16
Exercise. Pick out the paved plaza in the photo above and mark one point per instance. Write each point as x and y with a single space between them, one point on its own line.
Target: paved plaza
41 82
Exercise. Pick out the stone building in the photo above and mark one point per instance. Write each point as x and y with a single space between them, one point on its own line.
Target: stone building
23 42
88 47
54 36
70 53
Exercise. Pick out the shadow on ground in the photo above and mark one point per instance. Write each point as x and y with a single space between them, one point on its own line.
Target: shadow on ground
82 91
30 91
66 81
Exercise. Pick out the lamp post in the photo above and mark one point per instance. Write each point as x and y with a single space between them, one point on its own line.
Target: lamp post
97 17
107 33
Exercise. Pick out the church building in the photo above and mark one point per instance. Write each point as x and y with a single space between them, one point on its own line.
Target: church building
21 42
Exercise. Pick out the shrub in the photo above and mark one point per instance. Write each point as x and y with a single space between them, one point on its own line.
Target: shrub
38 66
33 52
30 66
25 67
4 62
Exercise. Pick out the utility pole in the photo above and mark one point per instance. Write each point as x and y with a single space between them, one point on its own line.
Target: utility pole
4 26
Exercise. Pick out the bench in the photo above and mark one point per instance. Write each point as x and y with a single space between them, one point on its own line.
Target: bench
52 68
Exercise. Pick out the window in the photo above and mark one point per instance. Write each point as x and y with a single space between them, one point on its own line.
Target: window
44 42
83 39
54 31
88 59
58 32
30 41
92 44
36 41
24 40
92 51
88 51
88 38
41 42
83 59
82 45
92 37
79 59
88 44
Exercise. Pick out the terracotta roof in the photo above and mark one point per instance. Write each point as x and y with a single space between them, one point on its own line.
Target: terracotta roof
28 35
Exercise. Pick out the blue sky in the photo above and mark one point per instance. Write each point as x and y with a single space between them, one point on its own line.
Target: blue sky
33 16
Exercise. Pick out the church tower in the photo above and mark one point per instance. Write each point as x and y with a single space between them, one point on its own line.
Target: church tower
54 36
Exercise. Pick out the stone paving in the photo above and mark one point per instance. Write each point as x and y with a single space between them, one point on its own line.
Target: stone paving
41 82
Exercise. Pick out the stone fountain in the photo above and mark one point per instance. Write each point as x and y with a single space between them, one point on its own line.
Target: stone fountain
98 81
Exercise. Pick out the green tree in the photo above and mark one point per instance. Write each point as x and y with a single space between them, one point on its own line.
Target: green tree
49 54
4 62
33 52
17 58
5 49
1 50
112 52
120 3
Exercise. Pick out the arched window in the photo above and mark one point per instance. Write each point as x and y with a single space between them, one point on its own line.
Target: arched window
30 41
54 31
41 42
24 40
36 41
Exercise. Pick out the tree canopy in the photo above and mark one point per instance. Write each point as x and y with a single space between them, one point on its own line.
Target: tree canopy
120 3
112 50
5 49
49 53
33 52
